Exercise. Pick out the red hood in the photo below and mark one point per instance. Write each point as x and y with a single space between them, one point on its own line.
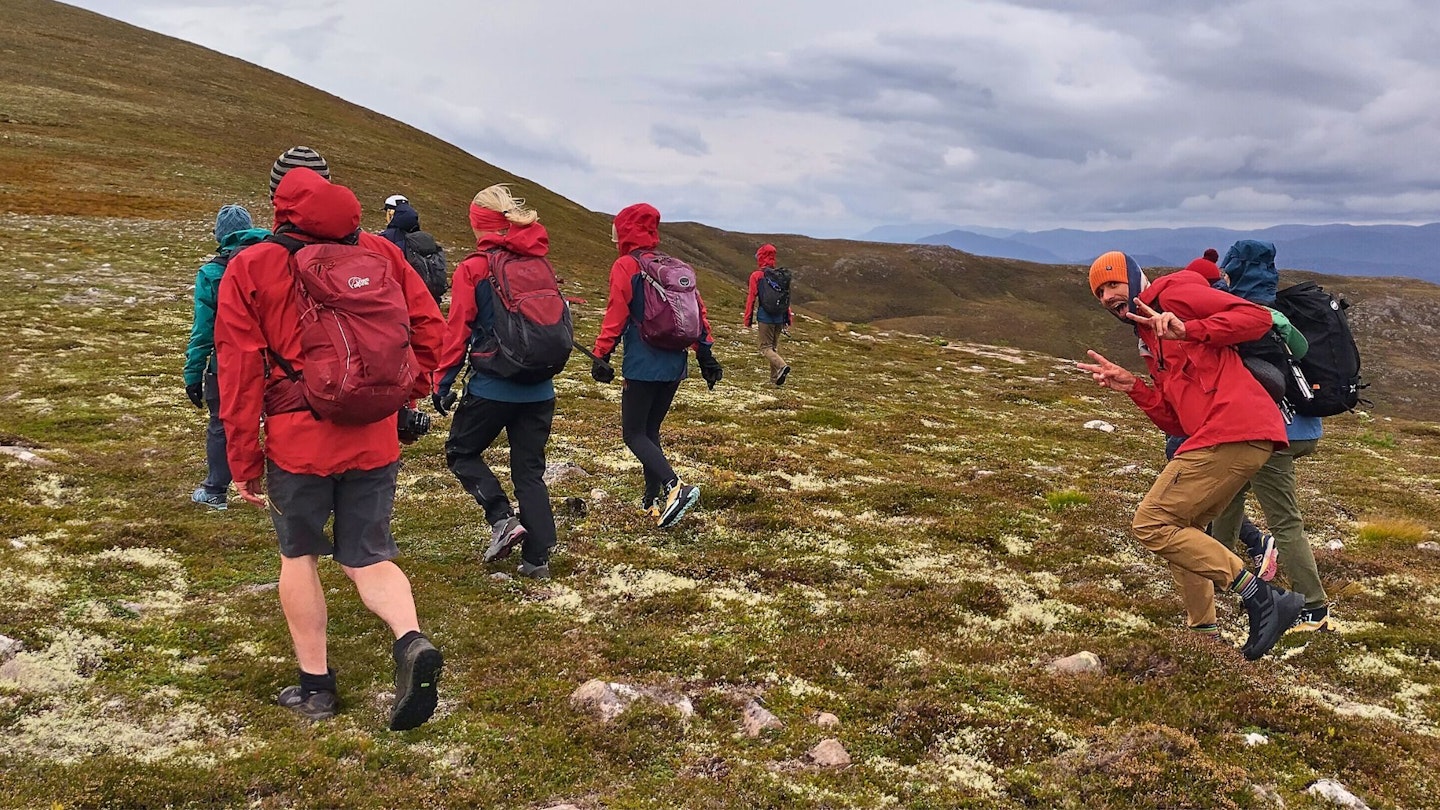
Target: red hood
526 240
315 206
765 257
637 226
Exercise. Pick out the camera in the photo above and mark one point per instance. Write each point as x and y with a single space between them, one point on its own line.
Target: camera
412 424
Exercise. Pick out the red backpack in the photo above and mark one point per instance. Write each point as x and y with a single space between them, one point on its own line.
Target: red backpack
358 364
672 301
530 333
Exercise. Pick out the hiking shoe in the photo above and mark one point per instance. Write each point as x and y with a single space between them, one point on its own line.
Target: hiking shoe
416 674
505 535
1266 557
650 506
678 500
214 500
1272 611
1210 631
780 378
320 705
1314 620
533 571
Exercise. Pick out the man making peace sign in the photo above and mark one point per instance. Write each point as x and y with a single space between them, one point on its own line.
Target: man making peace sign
1200 389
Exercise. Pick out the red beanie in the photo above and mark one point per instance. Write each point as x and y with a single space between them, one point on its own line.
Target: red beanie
1206 268
1212 254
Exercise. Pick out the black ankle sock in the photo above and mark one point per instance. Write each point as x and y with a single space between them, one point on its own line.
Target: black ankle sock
403 642
317 683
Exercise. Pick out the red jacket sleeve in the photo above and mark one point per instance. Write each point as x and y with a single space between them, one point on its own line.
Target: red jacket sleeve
709 337
617 309
750 297
1153 403
1219 318
463 311
240 354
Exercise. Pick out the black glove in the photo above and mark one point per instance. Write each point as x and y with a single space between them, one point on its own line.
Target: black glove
443 401
411 425
601 371
196 393
710 369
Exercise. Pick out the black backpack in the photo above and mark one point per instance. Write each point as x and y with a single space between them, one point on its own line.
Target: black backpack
773 291
428 259
1269 361
1332 366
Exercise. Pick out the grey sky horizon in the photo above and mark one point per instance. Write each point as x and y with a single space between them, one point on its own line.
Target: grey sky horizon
831 118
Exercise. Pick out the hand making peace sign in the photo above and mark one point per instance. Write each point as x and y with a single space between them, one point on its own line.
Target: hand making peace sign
1167 325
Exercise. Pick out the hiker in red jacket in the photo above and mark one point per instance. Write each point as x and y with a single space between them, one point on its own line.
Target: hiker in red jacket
772 290
524 410
315 468
1202 390
652 373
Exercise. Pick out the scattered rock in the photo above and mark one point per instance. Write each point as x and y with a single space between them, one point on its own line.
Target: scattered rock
606 700
982 473
563 807
576 506
564 471
1100 425
262 587
1429 545
10 647
1335 545
500 576
17 544
757 719
1254 738
1081 663
1267 794
1335 793
827 720
829 753
133 608
25 455
597 495
1128 469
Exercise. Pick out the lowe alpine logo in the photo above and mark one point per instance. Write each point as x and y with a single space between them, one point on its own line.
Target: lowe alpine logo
684 281
356 282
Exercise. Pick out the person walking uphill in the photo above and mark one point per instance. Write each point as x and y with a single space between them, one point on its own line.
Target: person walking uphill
1201 390
656 314
331 443
402 227
770 287
233 231
508 266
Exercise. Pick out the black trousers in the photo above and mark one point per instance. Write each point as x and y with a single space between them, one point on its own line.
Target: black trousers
643 406
475 426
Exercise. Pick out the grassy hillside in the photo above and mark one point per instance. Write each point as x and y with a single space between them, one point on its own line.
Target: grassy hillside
904 536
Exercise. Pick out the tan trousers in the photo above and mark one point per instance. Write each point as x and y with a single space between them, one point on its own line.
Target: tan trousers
1190 492
769 338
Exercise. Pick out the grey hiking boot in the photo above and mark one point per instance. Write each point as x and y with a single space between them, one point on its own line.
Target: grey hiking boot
214 500
533 571
505 535
780 378
320 705
1272 611
417 673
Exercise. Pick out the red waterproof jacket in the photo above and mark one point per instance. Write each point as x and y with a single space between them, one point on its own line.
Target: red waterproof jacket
637 227
1201 387
764 257
257 311
526 240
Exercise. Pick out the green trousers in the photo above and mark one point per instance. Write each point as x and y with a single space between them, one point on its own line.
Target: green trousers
1274 487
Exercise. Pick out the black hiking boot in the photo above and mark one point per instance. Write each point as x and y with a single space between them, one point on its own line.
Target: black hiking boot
1272 611
417 671
321 705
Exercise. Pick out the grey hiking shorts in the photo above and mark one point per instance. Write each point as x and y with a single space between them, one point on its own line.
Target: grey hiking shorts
361 501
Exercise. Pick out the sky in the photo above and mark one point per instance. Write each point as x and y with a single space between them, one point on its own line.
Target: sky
831 117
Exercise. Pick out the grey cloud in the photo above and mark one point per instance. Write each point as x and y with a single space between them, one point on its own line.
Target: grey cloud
685 140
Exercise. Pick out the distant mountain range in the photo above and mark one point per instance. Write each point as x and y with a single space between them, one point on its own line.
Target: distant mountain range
1357 250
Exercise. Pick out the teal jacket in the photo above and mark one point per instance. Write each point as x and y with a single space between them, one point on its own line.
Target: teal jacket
200 356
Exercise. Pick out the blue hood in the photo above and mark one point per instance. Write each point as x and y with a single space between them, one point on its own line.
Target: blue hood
1250 264
406 219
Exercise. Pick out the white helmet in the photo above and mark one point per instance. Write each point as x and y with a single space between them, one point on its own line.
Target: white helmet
395 199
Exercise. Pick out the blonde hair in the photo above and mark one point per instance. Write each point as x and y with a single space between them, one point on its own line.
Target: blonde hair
498 198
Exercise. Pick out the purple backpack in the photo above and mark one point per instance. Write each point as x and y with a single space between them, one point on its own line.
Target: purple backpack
672 302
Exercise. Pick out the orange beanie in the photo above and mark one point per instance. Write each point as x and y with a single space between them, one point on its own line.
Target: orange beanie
1112 266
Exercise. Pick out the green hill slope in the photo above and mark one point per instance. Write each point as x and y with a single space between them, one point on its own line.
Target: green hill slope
905 535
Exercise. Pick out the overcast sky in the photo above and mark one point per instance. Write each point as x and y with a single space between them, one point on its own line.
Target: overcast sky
830 117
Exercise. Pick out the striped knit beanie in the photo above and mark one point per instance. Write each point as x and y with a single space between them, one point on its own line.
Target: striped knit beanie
296 157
